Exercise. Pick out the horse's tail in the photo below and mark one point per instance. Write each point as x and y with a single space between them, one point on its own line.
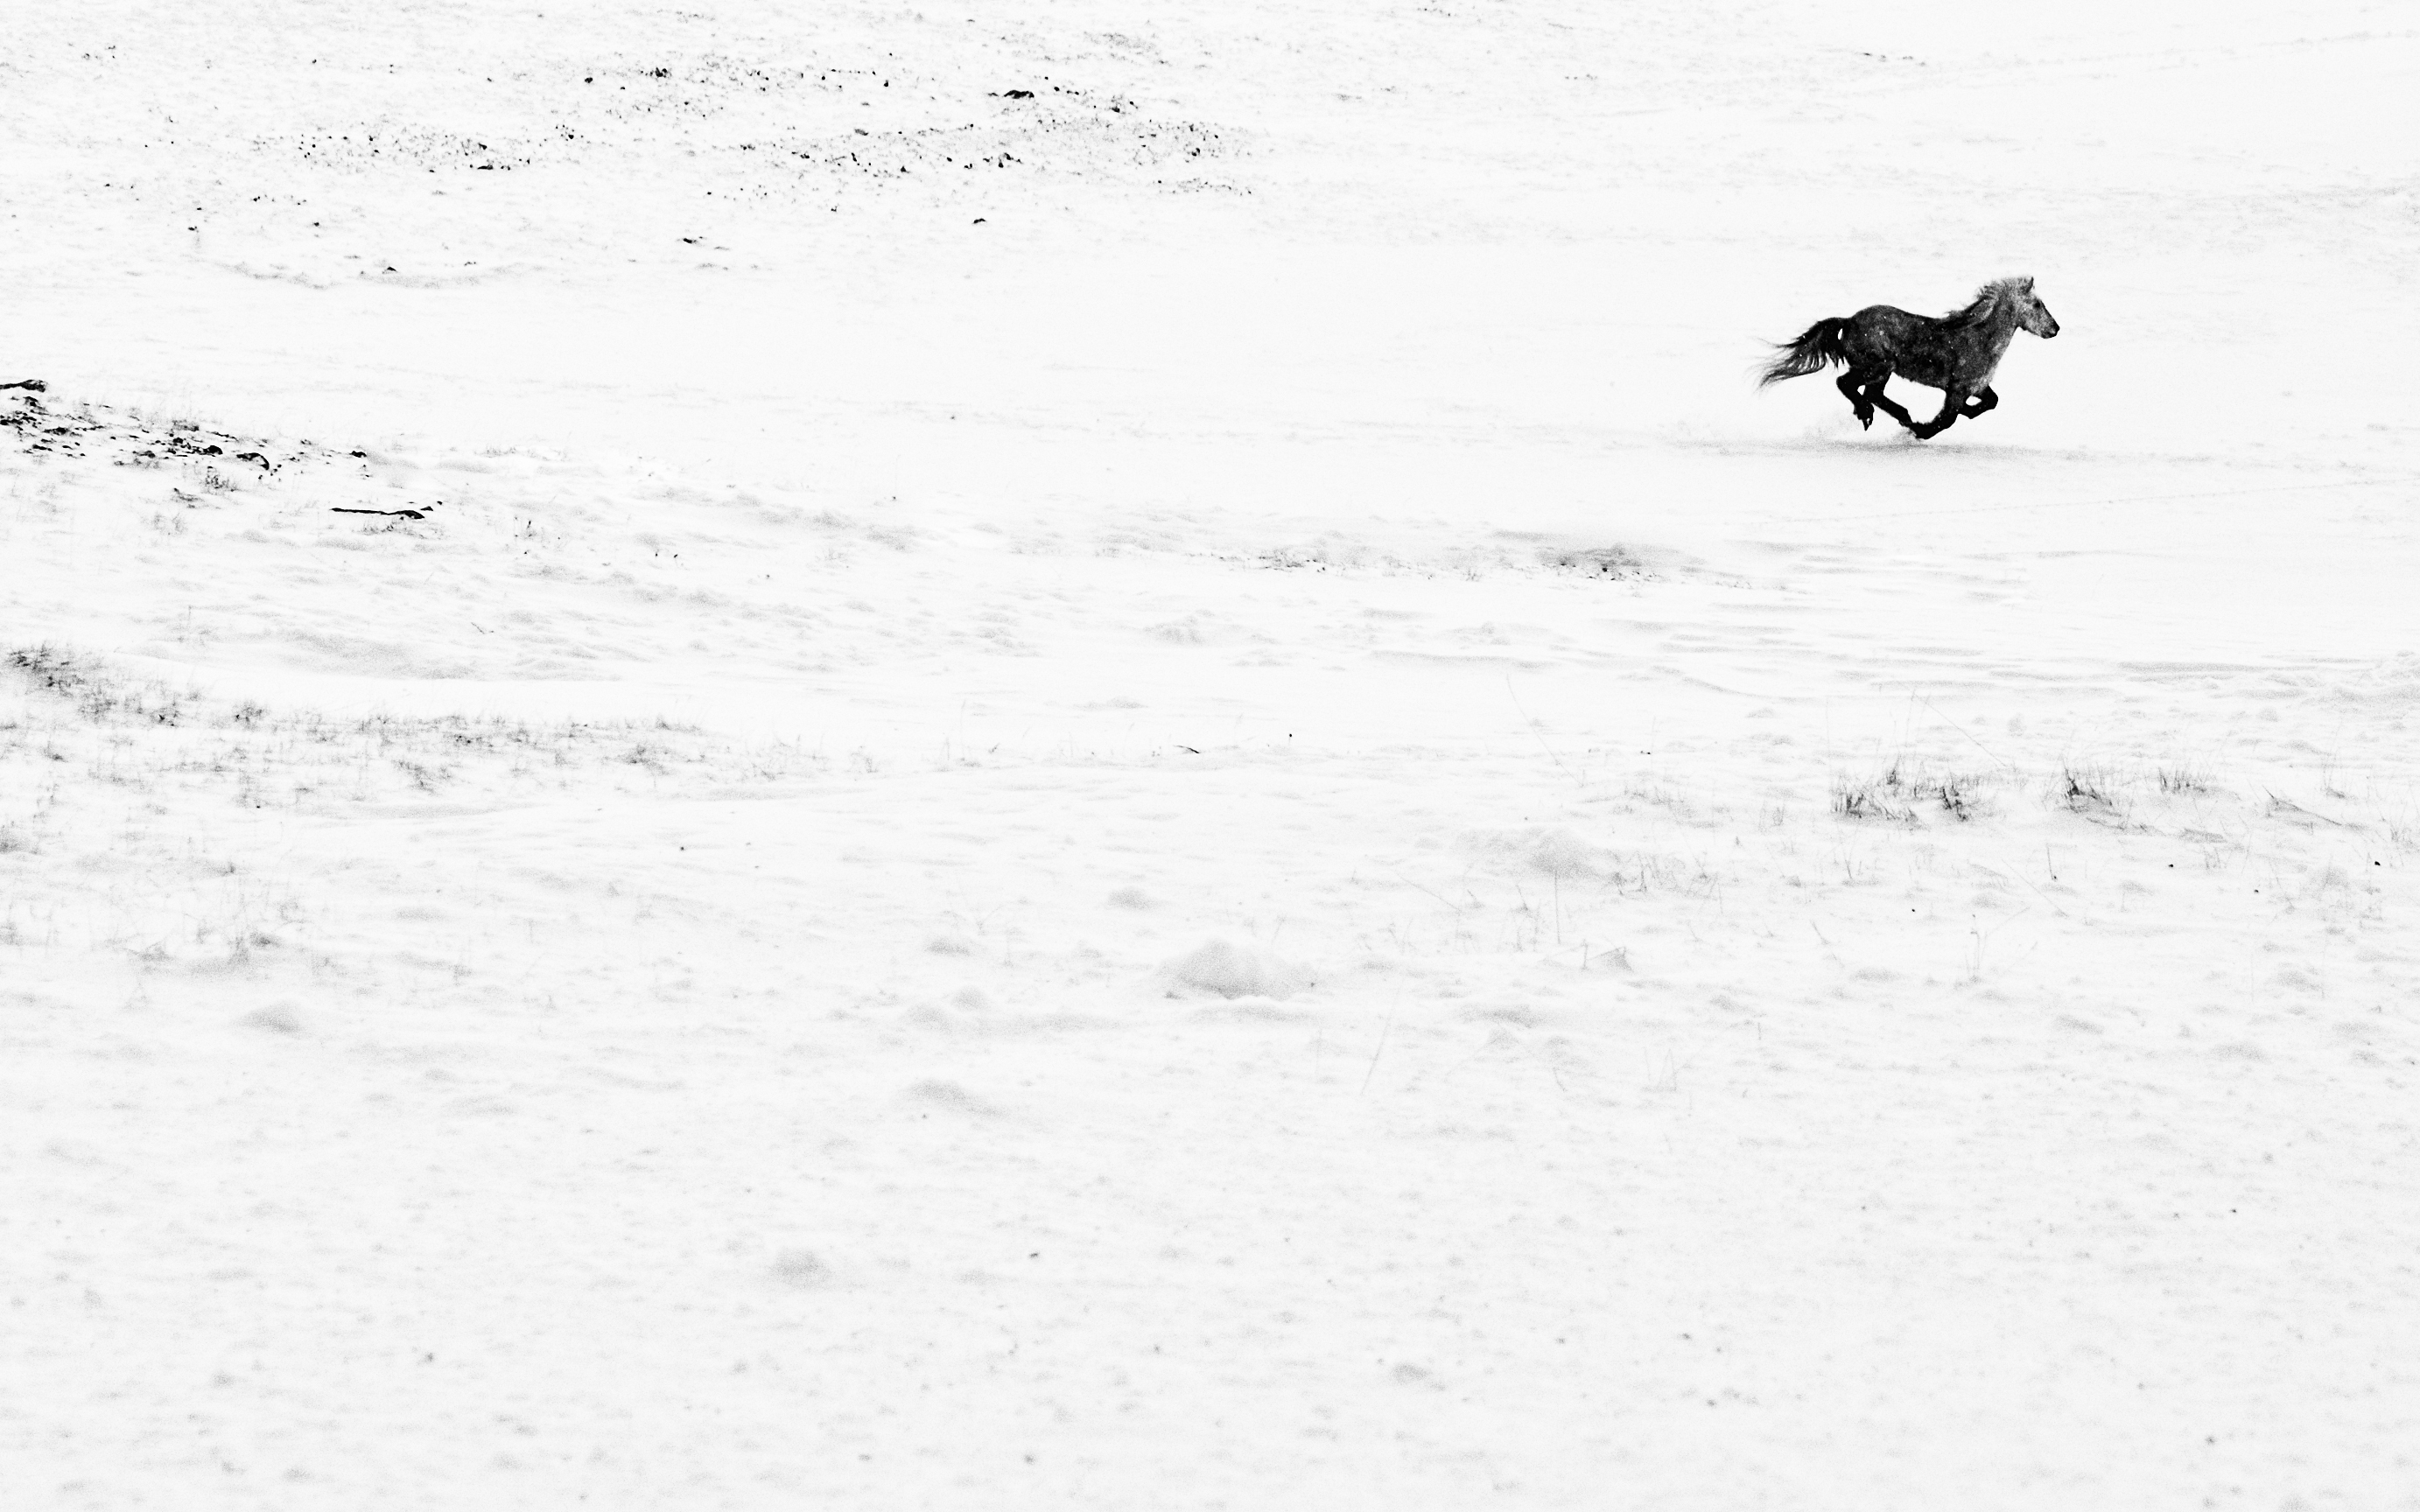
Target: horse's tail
1810 353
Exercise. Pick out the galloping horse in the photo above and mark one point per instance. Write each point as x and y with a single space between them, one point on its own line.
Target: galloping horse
1957 354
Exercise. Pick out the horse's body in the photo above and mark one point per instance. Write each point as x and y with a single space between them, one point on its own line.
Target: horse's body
1957 353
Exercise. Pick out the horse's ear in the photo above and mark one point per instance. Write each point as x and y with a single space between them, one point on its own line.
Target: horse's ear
2025 283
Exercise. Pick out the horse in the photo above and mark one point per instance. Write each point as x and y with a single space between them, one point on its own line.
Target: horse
1957 354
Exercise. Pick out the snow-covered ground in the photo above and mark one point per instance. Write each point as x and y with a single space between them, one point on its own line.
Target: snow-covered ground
1165 793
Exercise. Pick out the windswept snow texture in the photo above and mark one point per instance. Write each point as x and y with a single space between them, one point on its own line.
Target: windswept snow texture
1100 756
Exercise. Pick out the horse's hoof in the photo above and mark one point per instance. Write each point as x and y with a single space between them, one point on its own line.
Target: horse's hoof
1866 420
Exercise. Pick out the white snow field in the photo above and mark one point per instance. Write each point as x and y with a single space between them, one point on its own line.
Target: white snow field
1167 793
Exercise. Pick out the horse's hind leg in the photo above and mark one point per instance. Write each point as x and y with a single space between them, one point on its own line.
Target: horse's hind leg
1982 404
1883 402
1854 385
1953 404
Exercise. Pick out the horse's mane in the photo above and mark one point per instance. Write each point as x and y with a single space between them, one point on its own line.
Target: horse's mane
1986 303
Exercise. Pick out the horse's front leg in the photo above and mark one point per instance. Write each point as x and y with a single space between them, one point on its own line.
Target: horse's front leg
1953 404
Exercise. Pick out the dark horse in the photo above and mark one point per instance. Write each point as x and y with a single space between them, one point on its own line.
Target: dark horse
1957 354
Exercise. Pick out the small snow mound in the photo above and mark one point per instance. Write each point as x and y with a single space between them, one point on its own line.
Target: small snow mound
801 1268
1615 561
1130 897
952 1097
277 1018
1232 970
1249 1011
951 944
2395 680
1558 853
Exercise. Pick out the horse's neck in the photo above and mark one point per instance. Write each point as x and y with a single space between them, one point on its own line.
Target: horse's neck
1999 329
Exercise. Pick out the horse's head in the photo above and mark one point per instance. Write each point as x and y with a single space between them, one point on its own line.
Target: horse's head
2032 312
